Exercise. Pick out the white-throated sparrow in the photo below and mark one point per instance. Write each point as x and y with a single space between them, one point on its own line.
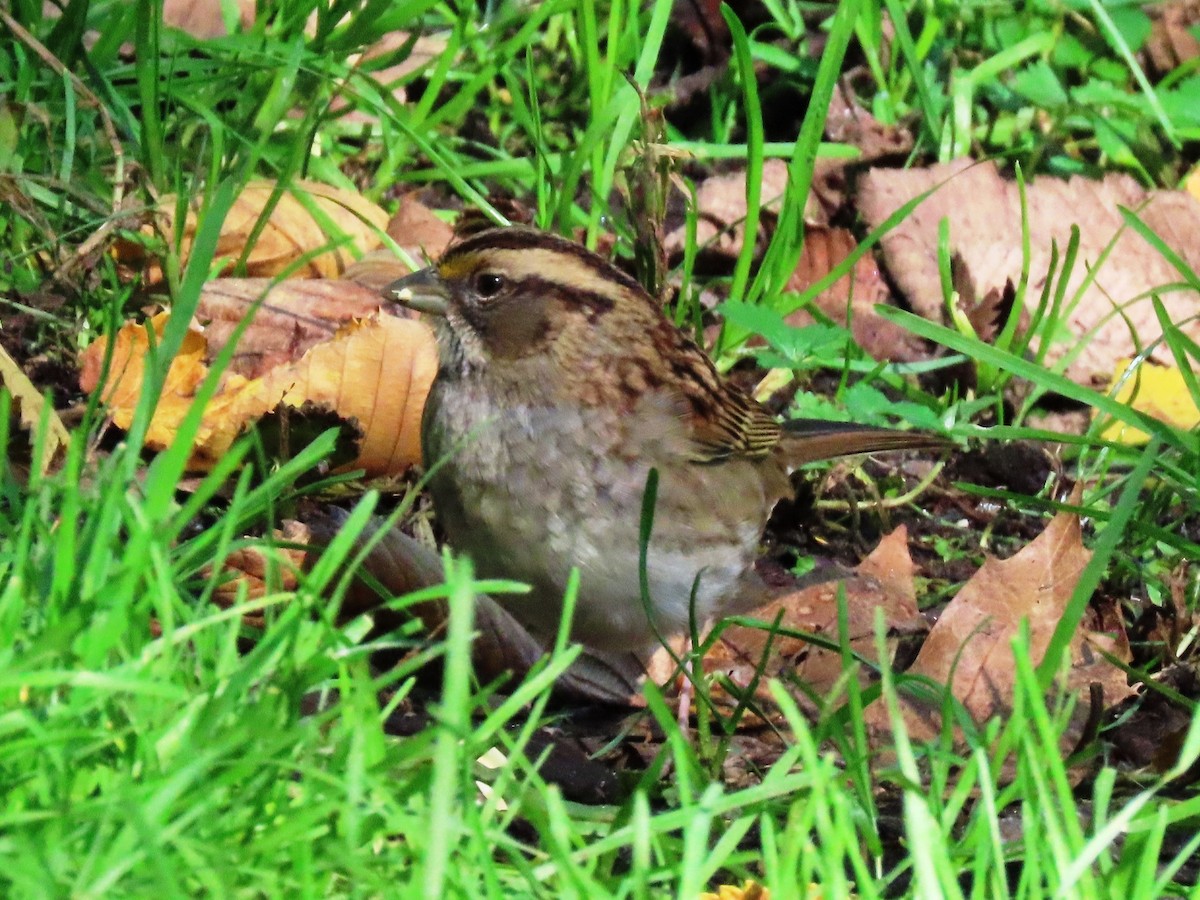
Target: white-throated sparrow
561 385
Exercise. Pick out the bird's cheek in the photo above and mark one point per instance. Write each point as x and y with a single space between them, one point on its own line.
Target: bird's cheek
511 332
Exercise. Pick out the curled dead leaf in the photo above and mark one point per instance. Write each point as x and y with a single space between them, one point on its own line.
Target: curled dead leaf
326 227
375 371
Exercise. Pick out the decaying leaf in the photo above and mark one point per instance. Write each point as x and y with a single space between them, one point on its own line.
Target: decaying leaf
418 231
745 656
851 299
325 226
205 19
1172 39
375 371
1158 391
122 384
721 209
970 647
290 317
30 404
984 213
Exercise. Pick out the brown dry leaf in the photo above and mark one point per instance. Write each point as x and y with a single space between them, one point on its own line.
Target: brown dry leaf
204 19
418 231
1171 41
721 210
305 221
702 23
1158 391
970 647
849 122
744 655
292 316
425 50
257 570
852 298
30 404
375 371
985 230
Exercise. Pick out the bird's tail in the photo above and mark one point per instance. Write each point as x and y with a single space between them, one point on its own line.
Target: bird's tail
810 440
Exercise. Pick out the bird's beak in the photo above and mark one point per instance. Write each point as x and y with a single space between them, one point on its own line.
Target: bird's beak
423 291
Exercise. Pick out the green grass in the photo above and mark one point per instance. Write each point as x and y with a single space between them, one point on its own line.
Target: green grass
151 744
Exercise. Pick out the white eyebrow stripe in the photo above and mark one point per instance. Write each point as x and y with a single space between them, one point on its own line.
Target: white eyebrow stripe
556 266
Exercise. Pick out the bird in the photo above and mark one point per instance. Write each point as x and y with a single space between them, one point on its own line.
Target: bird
561 386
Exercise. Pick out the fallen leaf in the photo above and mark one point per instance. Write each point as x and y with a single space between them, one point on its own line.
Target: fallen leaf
849 122
375 371
1172 39
30 404
721 210
205 19
1158 391
425 50
970 647
303 224
985 230
418 231
122 384
750 890
852 298
744 656
290 317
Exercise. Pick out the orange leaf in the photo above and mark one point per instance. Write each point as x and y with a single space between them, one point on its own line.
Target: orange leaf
376 371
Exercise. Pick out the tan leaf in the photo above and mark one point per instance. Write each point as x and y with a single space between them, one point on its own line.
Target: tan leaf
31 405
307 219
745 655
985 230
378 372
970 647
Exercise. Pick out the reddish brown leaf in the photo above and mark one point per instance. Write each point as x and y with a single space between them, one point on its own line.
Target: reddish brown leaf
291 318
1171 40
852 298
745 655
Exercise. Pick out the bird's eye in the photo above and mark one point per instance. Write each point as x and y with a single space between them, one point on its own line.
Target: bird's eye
488 284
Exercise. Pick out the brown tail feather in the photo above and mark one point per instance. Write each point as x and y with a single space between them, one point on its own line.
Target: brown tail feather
810 440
